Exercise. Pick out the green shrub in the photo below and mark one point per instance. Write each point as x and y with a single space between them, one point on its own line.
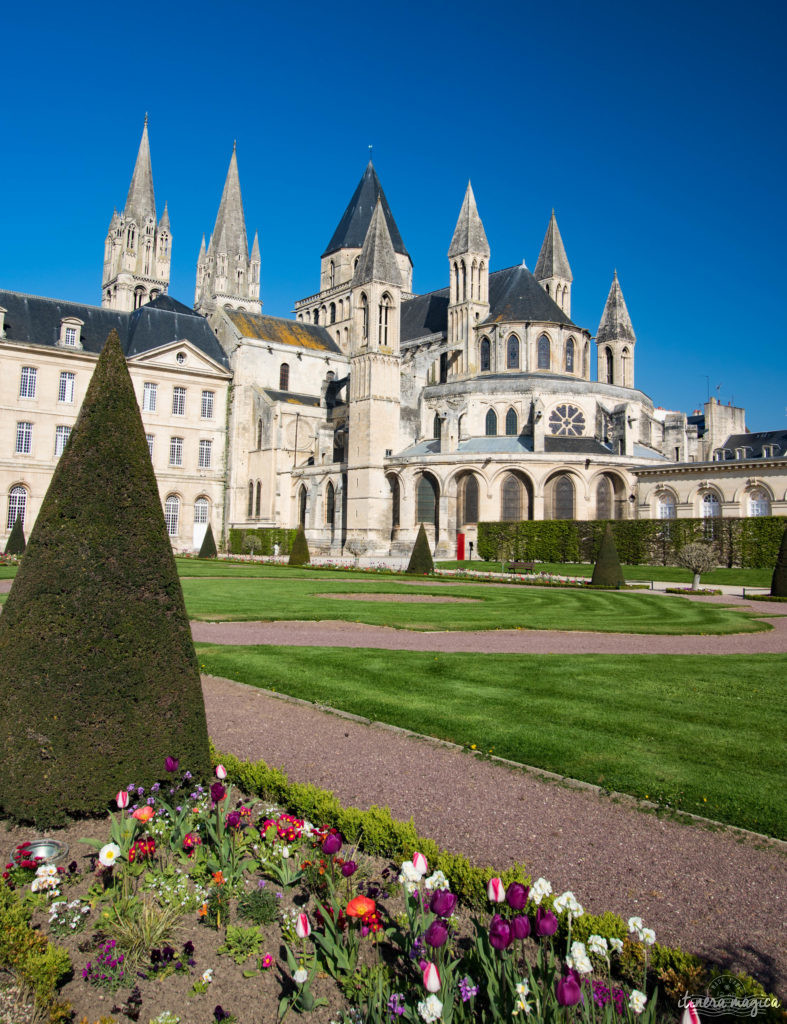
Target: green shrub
265 538
779 580
208 548
299 552
607 571
259 906
15 545
420 563
100 682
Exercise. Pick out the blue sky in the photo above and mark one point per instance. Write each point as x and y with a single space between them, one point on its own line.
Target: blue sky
656 132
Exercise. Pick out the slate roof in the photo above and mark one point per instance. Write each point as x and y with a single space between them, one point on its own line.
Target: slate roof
353 226
282 331
755 442
575 445
423 315
292 397
34 320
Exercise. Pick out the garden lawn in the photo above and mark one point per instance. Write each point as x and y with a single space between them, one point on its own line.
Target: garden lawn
219 568
635 573
489 607
703 734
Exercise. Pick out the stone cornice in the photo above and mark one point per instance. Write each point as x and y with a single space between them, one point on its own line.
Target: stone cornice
727 466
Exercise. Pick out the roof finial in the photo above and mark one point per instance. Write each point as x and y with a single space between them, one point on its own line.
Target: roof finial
146 118
370 153
234 145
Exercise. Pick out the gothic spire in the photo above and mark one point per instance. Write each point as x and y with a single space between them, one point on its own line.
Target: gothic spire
552 260
141 202
377 261
255 248
615 320
354 225
469 234
163 224
229 234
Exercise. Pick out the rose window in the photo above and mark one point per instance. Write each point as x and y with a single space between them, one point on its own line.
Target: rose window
567 421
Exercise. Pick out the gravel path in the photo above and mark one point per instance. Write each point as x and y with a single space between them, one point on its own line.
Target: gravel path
712 892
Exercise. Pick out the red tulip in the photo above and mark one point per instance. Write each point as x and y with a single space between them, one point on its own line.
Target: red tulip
495 890
420 863
221 771
432 978
122 799
302 927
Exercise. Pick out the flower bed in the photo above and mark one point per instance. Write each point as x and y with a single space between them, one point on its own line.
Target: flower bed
204 905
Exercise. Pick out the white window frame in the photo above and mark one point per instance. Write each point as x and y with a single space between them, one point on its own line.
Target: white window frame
759 503
65 388
62 435
150 438
70 337
205 456
176 451
172 514
27 382
24 438
206 405
149 396
178 401
17 505
201 510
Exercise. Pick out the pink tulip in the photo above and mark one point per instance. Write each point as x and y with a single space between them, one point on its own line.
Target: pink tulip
431 978
495 890
420 863
690 1015
221 771
302 927
122 799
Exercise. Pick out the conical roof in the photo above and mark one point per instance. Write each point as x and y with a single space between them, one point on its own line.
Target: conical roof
164 222
615 321
141 202
354 225
377 261
469 234
229 234
552 260
255 247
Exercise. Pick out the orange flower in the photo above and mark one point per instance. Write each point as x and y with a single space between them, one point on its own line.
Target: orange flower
143 813
218 878
359 906
203 910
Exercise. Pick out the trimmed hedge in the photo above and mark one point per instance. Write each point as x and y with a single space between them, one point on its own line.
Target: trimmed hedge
267 537
15 545
607 571
749 543
420 563
299 552
208 548
99 681
779 579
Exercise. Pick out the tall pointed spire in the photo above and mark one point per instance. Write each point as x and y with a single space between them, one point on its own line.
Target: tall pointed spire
163 224
229 235
377 261
354 225
141 201
469 234
552 260
615 320
255 247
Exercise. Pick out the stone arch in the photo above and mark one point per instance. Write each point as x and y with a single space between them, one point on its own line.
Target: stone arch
427 501
396 502
490 423
512 423
758 500
485 355
570 356
468 498
610 495
544 352
560 496
302 505
512 352
515 491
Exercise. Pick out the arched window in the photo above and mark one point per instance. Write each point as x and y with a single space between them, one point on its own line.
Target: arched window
332 310
759 502
710 511
512 352
666 503
172 515
426 501
259 433
284 377
468 503
17 506
543 353
511 499
364 318
250 509
563 498
604 499
610 365
302 507
384 316
474 280
464 281
393 483
331 275
436 427
570 355
258 501
486 355
626 358
491 423
586 361
330 505
201 511
512 427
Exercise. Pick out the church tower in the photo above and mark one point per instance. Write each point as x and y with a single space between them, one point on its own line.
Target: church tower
552 270
374 384
468 303
615 340
138 249
226 276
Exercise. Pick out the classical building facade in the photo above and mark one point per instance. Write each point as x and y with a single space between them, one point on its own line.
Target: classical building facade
374 409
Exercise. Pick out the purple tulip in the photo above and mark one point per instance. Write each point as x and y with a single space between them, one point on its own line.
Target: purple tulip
436 934
442 903
516 896
233 819
520 926
217 792
172 764
568 989
499 933
349 868
545 923
332 843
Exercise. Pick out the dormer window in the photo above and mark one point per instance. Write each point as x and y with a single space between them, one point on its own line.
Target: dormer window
770 451
71 332
2 321
741 453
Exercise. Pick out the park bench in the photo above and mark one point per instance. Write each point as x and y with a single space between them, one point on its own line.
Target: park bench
521 566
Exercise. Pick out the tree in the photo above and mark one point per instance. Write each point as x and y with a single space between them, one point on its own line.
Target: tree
299 552
421 563
607 571
99 681
208 547
699 558
779 581
15 545
251 542
357 547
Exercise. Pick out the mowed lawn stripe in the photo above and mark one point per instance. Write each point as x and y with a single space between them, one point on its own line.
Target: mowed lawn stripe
699 733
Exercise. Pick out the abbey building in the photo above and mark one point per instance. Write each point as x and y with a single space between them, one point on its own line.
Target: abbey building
374 408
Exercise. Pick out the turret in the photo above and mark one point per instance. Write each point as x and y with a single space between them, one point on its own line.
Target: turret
615 340
468 268
552 271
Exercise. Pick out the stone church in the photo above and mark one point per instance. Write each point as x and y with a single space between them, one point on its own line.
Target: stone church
374 409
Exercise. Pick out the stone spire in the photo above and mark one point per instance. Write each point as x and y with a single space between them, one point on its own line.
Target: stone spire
469 234
615 320
163 224
552 260
377 261
255 248
229 234
141 201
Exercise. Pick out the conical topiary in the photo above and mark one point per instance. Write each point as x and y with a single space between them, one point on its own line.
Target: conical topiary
779 581
208 547
607 571
299 552
99 682
421 563
15 545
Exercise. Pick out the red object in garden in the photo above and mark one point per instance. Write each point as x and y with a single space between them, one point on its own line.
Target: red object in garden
460 547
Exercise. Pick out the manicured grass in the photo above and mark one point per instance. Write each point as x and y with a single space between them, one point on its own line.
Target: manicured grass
7 572
193 567
490 608
661 573
702 734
